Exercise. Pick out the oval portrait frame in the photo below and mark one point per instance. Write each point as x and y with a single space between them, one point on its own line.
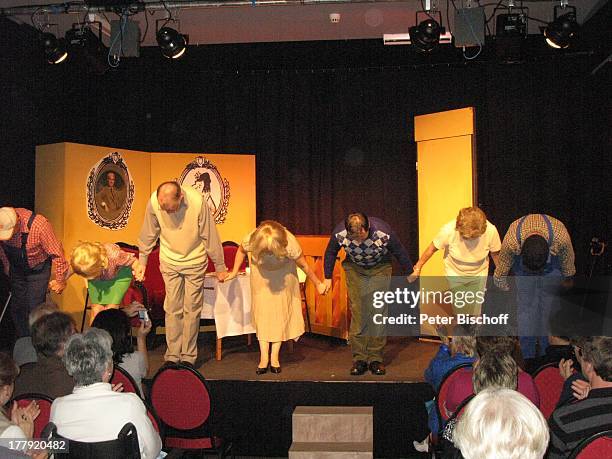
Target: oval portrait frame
115 214
203 176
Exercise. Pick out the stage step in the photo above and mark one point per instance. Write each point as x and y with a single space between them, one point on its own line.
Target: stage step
333 424
331 450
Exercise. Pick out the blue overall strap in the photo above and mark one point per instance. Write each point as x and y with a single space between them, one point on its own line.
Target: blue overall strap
550 229
24 239
518 230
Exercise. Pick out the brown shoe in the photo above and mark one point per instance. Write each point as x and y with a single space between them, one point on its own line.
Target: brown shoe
377 368
359 367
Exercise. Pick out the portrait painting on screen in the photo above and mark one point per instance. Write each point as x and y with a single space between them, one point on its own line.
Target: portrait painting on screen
110 192
203 176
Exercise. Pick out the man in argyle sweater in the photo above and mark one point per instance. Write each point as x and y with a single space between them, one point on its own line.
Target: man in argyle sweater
368 244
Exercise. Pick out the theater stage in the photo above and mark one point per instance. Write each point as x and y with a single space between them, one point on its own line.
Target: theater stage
256 410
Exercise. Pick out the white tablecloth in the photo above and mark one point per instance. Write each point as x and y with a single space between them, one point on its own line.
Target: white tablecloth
229 303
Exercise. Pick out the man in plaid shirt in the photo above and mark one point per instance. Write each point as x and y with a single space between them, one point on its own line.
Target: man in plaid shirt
538 249
28 248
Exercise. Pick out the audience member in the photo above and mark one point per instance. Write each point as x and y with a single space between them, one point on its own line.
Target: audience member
501 424
117 324
19 423
559 348
497 346
571 372
48 375
570 424
94 412
23 351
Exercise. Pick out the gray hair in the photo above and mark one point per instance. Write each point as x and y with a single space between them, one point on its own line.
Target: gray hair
501 423
87 356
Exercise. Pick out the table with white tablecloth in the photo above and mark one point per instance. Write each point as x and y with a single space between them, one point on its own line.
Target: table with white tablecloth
229 304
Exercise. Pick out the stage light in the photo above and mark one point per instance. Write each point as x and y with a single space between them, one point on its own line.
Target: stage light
426 36
55 50
172 44
561 32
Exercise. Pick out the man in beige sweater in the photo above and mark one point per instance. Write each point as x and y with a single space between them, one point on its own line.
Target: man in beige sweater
180 218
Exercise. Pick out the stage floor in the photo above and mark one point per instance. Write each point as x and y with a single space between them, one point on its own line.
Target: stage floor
314 358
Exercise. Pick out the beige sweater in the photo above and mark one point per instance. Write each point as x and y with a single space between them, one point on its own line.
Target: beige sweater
187 237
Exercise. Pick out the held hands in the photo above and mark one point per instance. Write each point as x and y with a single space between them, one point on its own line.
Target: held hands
327 283
230 276
138 271
222 276
416 272
322 288
56 286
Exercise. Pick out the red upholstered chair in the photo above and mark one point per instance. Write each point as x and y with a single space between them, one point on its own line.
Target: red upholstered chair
549 382
44 402
447 381
180 397
122 376
598 446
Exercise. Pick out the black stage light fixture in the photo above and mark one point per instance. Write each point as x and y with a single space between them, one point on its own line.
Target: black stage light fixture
426 36
563 30
54 48
171 43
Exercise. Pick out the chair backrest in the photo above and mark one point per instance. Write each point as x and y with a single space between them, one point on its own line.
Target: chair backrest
180 397
122 376
549 382
597 446
125 446
44 403
446 382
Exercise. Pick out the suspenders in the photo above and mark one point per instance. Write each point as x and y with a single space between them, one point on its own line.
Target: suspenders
548 224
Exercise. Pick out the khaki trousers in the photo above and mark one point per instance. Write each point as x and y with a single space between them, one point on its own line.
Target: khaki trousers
183 306
367 339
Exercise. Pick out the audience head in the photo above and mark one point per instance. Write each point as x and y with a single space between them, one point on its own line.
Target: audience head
501 424
270 237
89 357
169 196
43 309
471 222
597 359
8 374
117 324
88 259
50 333
534 253
495 371
357 226
464 340
500 345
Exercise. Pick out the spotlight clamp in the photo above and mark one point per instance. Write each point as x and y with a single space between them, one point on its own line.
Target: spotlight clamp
562 31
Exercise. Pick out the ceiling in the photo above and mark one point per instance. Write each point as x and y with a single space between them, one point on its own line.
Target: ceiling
240 21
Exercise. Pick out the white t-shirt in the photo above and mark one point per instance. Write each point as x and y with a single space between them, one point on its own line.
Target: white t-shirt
466 257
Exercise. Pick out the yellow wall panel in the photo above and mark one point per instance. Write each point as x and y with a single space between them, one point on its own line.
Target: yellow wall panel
451 123
239 170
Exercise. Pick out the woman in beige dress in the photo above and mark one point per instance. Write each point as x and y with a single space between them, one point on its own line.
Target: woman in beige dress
275 288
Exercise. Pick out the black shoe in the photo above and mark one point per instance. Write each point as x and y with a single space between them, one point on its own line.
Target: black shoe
275 370
168 363
377 368
359 367
261 371
187 364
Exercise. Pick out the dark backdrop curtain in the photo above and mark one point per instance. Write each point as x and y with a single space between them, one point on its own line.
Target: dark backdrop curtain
331 125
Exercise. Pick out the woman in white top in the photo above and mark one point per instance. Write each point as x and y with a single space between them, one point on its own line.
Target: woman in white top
19 424
467 243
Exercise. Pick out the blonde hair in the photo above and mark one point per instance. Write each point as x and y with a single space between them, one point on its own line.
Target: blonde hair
495 370
471 222
464 344
88 259
269 237
501 424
